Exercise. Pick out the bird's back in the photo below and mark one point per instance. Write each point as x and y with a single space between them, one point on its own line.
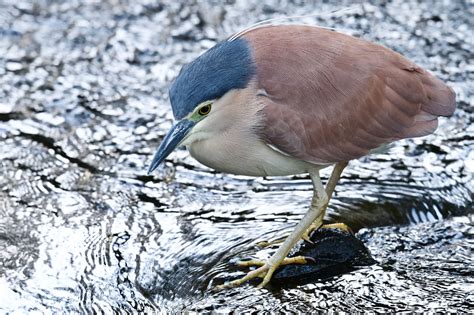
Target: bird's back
331 97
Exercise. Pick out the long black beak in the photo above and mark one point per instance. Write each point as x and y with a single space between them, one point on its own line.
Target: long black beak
172 139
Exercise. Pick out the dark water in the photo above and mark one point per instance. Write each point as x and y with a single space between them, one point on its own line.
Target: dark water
83 106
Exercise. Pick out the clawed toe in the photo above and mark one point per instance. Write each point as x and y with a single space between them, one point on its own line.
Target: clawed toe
340 226
264 271
299 260
250 263
261 272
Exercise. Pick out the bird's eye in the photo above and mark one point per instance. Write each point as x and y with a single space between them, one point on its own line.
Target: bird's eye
206 109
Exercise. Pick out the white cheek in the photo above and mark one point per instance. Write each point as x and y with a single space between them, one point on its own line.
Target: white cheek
201 131
195 135
214 124
235 112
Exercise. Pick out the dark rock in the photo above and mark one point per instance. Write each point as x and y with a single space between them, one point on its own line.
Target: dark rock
334 252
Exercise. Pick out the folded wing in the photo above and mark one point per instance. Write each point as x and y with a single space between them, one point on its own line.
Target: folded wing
330 97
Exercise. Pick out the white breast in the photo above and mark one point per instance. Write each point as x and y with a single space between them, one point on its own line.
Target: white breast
250 156
228 139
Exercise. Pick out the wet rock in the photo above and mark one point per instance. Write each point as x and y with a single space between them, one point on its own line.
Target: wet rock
333 252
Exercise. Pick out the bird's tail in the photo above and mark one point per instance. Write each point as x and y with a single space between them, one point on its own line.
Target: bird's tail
439 100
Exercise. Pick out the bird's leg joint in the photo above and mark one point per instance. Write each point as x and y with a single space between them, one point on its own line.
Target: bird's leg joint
320 200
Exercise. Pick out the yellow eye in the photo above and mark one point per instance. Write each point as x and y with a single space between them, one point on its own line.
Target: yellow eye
206 109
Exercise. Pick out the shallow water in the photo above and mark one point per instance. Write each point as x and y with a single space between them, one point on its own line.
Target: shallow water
83 106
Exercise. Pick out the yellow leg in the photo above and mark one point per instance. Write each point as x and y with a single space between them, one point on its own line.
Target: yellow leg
315 213
334 178
330 186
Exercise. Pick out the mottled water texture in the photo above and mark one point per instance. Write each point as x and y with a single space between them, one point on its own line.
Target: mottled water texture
84 104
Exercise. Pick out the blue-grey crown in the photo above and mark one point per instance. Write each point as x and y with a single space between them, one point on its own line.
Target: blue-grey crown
226 66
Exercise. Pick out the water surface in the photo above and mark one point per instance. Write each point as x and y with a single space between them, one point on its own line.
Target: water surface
83 106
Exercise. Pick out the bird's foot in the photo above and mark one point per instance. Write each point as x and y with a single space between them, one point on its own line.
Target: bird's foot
298 260
265 271
306 235
340 226
313 227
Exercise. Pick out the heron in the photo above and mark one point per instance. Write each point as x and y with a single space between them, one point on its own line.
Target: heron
291 99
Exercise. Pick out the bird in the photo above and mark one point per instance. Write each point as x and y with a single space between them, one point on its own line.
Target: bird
287 99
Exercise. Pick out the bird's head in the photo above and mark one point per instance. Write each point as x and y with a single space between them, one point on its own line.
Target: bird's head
203 91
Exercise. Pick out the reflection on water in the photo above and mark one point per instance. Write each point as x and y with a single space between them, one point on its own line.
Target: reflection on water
82 228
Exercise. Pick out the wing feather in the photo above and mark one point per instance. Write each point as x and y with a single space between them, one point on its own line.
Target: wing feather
331 97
